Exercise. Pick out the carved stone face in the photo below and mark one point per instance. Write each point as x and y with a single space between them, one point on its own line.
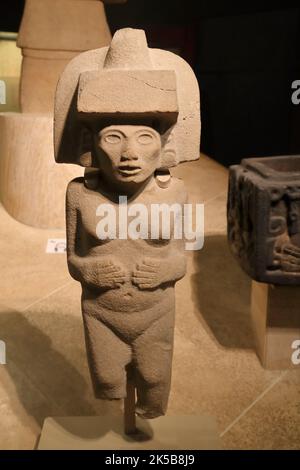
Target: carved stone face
128 153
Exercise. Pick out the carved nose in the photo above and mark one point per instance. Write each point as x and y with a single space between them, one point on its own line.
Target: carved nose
129 153
128 156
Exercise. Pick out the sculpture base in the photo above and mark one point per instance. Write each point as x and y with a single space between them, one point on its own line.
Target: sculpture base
106 433
276 324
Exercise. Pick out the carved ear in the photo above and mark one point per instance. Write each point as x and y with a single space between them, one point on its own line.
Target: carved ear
85 160
169 155
168 158
85 147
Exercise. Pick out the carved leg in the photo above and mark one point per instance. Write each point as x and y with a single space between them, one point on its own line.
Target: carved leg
108 357
153 352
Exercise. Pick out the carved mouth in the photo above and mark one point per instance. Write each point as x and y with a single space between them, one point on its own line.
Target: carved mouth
129 170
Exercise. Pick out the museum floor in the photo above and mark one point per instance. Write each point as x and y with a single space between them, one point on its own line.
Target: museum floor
215 369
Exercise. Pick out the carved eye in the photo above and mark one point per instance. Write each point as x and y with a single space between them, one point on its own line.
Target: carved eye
145 139
112 138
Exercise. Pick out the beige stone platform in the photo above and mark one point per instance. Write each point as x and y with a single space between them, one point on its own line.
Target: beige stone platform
216 371
32 185
275 312
98 432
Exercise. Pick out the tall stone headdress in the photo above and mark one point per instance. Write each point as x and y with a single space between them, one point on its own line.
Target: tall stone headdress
128 79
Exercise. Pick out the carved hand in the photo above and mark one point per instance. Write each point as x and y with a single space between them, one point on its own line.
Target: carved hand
149 273
100 273
109 274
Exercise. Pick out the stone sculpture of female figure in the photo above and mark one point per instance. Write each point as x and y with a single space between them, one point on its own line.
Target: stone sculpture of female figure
128 113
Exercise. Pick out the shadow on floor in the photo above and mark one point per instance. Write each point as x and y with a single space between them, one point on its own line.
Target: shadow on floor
222 293
47 384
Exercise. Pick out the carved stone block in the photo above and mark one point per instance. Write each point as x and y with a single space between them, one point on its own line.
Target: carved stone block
264 218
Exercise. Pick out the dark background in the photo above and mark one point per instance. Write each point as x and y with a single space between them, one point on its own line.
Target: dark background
245 58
